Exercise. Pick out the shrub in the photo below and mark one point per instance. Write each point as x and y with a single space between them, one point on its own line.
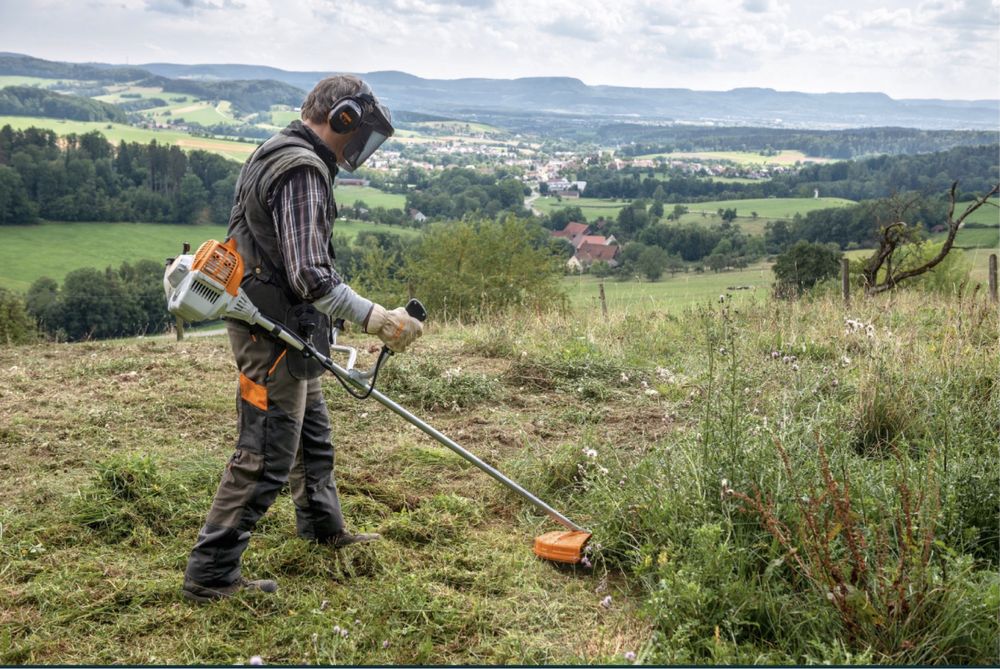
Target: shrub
471 269
804 265
16 324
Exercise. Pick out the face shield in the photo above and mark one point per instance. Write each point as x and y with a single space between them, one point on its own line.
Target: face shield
375 128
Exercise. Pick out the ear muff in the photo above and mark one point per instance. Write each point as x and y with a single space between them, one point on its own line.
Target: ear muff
345 115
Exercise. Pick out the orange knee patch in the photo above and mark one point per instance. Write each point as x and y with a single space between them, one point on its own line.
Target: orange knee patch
254 393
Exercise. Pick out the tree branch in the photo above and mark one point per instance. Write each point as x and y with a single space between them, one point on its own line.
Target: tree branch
953 226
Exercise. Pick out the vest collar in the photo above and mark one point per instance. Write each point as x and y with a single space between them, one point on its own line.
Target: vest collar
299 129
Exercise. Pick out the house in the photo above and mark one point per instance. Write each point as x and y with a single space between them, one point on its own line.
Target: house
588 253
597 240
417 215
572 232
558 185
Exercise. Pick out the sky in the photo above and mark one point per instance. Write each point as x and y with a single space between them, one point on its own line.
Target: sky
906 49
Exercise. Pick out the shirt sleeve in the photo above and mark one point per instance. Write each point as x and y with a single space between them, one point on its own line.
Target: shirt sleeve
302 224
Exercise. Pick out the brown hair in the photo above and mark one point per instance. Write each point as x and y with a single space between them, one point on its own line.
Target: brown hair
317 104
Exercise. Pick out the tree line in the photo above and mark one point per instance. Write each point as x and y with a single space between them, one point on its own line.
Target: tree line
839 144
459 192
86 178
975 167
33 101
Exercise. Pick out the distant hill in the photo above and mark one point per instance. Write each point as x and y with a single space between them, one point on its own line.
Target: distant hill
251 94
568 96
544 100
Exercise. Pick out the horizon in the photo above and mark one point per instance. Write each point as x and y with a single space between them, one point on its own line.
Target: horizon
472 78
938 49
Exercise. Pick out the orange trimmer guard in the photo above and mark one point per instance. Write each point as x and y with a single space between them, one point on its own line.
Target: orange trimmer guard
562 546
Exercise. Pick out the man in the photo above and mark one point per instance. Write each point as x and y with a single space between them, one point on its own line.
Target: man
281 220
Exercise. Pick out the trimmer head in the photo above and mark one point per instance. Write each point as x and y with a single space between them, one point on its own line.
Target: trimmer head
562 546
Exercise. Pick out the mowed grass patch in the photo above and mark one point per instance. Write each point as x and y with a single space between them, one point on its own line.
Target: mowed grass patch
112 486
671 294
116 132
54 249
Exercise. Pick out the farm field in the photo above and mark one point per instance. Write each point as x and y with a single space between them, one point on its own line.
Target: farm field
592 207
116 132
740 157
373 197
15 80
670 294
767 209
54 249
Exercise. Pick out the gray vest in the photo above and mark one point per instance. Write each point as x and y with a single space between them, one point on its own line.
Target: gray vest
265 278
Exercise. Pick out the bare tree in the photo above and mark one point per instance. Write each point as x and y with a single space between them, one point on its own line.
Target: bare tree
894 237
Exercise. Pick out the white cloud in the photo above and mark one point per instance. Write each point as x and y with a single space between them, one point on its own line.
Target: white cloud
846 45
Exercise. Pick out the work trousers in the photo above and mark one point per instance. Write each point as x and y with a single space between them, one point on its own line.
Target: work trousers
284 436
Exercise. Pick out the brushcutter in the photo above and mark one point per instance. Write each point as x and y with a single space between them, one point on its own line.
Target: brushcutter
206 286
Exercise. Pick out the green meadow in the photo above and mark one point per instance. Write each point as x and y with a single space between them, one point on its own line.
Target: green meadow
670 293
373 197
54 249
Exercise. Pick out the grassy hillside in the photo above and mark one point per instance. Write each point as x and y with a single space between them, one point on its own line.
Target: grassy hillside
116 132
768 209
53 249
673 294
658 432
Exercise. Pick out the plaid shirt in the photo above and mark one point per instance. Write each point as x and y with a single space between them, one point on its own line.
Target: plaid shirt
303 224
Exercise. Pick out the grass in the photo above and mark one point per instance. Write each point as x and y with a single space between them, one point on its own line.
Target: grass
592 207
54 249
116 132
645 426
372 197
771 208
741 157
768 209
670 294
14 80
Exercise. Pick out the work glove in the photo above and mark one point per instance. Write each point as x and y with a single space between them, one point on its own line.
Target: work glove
396 328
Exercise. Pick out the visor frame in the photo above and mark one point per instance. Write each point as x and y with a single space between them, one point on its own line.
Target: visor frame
376 124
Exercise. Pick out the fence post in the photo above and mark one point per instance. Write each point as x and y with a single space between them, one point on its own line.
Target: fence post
993 277
179 327
845 279
604 302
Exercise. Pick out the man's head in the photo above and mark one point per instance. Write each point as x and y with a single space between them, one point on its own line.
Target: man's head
374 125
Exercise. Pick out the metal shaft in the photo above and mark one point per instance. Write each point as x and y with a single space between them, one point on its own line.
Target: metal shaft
349 377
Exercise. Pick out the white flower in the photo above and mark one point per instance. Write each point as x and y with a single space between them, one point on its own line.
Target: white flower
845 360
795 368
624 377
630 656
606 602
450 374
256 661
590 453
652 392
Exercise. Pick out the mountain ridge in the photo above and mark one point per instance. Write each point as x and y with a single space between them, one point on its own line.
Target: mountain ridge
475 97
